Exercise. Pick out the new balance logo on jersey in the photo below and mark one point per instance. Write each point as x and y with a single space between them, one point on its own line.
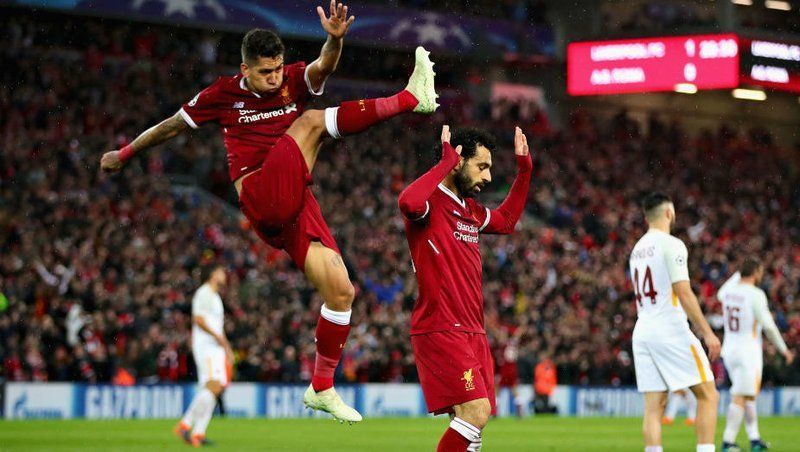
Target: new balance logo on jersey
247 118
238 105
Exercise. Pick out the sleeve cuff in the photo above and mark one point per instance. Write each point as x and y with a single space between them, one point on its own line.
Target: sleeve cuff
187 118
308 83
488 218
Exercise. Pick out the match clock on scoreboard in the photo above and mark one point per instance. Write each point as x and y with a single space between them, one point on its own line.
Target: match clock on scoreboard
652 64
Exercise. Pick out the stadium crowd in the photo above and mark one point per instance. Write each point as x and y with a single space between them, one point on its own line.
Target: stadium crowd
97 272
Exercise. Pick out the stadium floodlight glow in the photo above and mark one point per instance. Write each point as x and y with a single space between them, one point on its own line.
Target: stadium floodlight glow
778 4
749 94
742 2
686 88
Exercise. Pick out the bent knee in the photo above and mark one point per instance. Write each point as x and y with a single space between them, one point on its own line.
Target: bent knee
343 295
707 391
477 412
310 121
215 387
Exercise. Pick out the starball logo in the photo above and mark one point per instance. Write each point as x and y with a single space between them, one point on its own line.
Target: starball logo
247 116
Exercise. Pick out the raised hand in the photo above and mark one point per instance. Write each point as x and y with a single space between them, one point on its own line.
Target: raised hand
520 142
713 344
337 24
110 162
446 138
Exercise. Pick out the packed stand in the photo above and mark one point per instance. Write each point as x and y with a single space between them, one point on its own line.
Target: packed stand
98 271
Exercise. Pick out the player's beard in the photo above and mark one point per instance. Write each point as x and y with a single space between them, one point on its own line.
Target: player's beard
465 185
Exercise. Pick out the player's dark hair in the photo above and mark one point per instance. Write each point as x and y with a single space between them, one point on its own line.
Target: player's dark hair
653 200
207 269
750 266
259 42
469 138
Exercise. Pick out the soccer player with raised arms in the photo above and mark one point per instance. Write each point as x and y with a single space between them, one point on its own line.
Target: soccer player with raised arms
273 143
443 225
746 314
667 356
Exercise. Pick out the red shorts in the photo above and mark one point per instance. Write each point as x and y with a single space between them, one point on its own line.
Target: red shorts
278 202
453 368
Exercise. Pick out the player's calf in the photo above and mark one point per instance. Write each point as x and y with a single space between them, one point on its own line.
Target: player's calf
464 432
706 420
419 96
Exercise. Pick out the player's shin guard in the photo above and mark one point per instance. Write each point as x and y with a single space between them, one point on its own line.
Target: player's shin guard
460 437
751 420
356 116
733 423
331 335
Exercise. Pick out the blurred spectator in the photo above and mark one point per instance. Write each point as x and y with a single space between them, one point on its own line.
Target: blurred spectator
545 382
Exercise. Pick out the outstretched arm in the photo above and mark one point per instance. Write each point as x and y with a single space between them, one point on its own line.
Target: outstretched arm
163 131
762 315
503 219
336 25
413 200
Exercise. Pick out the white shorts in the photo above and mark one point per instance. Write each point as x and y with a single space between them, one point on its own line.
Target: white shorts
745 373
212 364
670 364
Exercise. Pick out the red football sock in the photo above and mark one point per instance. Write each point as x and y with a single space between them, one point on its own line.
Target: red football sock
452 441
330 339
358 115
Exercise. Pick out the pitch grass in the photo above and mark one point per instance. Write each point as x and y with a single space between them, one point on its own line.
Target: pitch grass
375 435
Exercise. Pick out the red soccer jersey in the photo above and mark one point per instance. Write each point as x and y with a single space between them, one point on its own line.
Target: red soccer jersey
447 261
250 122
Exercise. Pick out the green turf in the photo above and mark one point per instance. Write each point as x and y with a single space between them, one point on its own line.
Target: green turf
381 435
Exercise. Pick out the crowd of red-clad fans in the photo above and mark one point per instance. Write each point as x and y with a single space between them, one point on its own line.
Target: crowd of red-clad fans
97 272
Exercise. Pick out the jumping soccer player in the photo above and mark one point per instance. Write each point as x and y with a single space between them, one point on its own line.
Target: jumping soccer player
272 145
746 312
443 225
212 356
667 356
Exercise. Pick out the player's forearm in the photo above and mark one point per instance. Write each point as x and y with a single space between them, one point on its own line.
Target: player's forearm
774 335
771 330
692 308
329 56
159 133
506 216
413 199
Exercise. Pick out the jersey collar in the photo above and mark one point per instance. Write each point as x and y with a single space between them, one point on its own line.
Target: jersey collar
452 195
243 85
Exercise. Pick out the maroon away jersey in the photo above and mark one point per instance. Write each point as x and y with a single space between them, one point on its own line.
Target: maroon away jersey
448 265
250 122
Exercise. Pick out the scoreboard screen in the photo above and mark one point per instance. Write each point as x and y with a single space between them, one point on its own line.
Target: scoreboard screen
652 64
771 64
